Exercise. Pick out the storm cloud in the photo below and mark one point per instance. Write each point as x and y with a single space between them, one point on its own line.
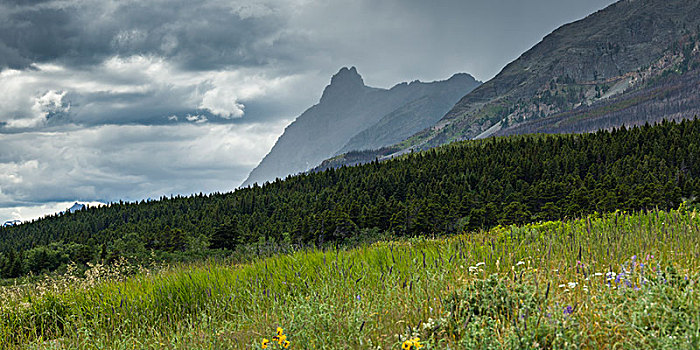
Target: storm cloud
104 100
195 35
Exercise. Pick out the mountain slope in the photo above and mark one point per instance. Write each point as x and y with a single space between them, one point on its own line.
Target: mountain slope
413 116
578 65
348 107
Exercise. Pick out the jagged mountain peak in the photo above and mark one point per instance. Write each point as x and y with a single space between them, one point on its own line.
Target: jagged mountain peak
346 81
347 76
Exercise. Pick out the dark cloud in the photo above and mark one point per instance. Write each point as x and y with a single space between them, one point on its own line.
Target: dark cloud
126 62
197 35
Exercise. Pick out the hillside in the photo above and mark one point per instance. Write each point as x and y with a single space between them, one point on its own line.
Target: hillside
623 49
672 92
465 185
351 115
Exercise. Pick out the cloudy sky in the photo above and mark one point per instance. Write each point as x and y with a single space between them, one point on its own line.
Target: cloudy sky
102 100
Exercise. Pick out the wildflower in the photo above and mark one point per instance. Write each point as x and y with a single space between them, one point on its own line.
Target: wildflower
285 344
568 310
264 343
572 285
410 344
280 331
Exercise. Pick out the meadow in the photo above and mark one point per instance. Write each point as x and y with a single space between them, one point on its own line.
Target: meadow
616 281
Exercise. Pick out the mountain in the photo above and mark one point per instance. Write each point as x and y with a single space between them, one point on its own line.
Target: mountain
413 116
11 223
75 207
632 62
351 115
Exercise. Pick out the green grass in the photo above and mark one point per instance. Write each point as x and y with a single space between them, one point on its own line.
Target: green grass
540 285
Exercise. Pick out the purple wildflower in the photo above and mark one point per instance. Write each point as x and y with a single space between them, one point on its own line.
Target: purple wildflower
568 310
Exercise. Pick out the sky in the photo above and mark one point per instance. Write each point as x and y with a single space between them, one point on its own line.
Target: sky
108 100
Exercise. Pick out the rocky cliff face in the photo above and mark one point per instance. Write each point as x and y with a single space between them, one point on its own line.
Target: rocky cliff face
413 116
579 65
348 108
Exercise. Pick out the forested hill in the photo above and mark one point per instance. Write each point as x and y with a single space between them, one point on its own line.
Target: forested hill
464 185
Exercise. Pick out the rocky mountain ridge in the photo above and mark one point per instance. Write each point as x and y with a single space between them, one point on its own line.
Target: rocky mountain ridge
578 65
351 115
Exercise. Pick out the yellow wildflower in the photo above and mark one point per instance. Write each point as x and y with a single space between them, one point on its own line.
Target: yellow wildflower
285 344
280 330
264 343
410 344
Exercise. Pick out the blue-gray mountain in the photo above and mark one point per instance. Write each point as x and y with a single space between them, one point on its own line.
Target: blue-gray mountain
353 116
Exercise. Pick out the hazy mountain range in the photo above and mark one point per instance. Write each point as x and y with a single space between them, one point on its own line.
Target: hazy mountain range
353 116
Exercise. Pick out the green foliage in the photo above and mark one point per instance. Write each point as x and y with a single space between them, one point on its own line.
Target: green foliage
604 281
499 312
467 185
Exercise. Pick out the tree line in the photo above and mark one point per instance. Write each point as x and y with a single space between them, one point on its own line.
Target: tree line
461 186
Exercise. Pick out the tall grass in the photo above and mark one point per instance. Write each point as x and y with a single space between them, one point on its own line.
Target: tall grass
561 279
